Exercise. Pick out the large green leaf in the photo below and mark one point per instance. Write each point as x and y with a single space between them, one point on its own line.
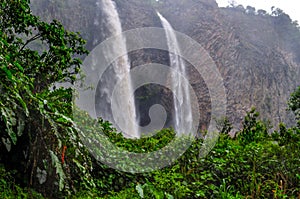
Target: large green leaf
59 170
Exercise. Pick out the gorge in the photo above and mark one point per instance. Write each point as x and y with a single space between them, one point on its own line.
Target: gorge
257 54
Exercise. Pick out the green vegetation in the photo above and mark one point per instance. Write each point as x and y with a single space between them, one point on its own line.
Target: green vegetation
294 104
9 189
253 164
42 154
36 132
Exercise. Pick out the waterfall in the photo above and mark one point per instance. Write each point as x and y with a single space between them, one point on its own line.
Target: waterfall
182 102
126 116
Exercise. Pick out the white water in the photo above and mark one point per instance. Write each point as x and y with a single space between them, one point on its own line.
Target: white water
182 102
126 115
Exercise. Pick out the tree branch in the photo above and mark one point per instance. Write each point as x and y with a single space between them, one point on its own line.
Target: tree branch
30 40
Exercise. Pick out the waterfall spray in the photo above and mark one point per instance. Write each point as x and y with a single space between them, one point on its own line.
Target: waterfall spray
120 72
182 102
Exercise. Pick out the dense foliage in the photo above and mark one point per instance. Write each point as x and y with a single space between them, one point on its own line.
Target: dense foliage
294 104
253 164
37 137
41 150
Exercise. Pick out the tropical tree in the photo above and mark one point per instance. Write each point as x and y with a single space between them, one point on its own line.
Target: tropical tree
250 10
261 12
37 134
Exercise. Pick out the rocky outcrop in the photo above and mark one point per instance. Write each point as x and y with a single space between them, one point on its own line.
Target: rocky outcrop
257 59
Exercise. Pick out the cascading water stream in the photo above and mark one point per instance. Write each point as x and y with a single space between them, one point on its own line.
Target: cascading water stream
182 102
126 116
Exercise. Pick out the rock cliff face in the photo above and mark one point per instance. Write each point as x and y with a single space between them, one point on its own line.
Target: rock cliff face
258 56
